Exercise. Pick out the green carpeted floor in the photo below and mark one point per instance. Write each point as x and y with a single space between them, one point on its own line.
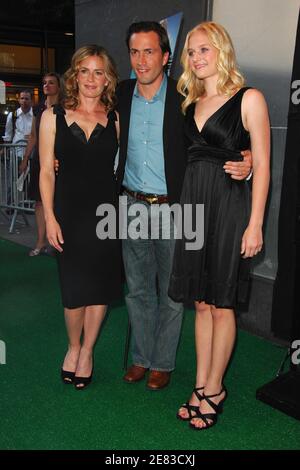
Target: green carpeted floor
39 412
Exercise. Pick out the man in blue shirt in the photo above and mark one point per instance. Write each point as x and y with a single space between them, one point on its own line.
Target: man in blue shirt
152 160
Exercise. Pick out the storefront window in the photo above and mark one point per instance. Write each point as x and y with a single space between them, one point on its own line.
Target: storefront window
23 59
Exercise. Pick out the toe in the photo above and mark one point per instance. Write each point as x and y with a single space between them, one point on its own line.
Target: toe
197 422
182 412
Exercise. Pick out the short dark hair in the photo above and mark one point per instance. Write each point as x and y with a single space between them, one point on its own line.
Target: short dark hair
147 27
28 92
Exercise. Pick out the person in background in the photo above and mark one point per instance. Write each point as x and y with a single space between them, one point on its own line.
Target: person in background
19 122
52 92
17 131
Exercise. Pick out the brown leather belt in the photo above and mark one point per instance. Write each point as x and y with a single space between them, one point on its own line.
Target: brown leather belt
150 198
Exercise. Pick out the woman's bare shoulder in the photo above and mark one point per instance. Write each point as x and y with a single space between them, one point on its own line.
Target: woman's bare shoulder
253 96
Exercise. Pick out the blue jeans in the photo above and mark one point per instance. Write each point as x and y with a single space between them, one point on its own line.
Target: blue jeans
155 318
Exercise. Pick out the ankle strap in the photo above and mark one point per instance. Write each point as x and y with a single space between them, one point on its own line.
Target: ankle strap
216 394
215 406
195 391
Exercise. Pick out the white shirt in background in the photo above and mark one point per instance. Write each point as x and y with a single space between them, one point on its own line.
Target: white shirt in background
22 126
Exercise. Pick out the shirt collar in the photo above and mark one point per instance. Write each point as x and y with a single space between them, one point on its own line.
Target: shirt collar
30 112
159 95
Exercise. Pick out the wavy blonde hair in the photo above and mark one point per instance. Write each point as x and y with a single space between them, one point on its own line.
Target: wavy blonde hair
107 97
229 79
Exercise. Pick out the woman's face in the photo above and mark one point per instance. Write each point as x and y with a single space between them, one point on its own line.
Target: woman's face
202 56
50 86
91 77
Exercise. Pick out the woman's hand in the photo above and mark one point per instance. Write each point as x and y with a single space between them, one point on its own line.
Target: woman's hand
54 233
252 241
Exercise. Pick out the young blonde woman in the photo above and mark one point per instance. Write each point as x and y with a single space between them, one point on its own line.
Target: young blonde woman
222 117
83 136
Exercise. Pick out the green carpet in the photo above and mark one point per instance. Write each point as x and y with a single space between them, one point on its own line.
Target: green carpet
39 412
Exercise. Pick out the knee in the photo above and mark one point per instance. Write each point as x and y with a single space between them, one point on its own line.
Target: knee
202 308
220 313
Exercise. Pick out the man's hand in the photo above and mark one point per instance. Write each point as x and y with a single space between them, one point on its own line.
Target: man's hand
240 170
56 166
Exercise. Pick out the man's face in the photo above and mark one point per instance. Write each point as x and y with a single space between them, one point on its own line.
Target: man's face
25 101
146 57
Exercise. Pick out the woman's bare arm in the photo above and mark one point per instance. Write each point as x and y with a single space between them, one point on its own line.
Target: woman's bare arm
47 177
29 148
256 121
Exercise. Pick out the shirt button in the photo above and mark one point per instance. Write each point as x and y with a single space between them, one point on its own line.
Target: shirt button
145 141
145 163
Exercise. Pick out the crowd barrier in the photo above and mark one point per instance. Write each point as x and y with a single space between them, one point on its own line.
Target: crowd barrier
14 200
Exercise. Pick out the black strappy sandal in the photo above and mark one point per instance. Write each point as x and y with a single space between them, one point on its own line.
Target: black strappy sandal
210 419
82 382
190 407
67 376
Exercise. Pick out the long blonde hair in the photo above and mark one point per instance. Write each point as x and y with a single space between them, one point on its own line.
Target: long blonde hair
229 79
107 97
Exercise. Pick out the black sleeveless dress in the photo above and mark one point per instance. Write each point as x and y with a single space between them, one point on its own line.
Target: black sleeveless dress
215 273
89 267
34 187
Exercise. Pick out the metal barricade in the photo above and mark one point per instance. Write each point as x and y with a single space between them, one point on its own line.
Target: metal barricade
13 201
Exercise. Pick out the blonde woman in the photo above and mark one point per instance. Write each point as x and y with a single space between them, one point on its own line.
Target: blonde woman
222 117
83 136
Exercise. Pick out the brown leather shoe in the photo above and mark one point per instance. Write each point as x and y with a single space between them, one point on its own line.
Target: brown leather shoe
158 379
134 374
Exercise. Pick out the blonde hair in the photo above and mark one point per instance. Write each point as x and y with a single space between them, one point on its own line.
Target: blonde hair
229 79
107 97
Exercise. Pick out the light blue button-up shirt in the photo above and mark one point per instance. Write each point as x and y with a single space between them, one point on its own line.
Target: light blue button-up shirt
145 166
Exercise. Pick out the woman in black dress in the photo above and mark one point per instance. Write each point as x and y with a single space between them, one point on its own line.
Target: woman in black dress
83 136
51 90
222 118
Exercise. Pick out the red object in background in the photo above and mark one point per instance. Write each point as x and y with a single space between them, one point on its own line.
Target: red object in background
8 84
